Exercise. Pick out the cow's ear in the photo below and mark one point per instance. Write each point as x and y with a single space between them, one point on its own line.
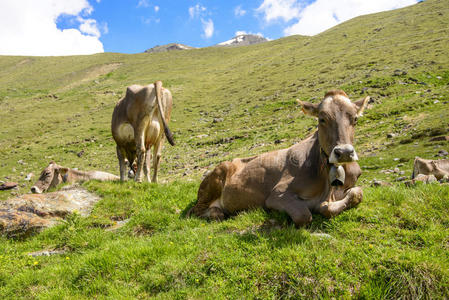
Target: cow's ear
63 170
308 108
361 105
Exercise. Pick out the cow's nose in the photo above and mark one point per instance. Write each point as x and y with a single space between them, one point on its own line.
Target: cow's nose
338 152
342 154
35 190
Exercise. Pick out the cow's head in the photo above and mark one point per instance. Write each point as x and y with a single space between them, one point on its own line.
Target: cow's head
337 117
51 176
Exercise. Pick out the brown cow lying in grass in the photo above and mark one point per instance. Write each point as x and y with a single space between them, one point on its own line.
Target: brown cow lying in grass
426 169
54 174
305 178
438 168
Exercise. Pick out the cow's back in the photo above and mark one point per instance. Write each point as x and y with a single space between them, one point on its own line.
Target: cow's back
129 111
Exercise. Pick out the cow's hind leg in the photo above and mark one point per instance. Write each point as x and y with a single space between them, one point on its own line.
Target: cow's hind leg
157 149
210 191
140 147
122 163
146 165
353 197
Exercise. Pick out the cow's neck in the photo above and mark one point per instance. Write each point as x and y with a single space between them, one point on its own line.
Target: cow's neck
316 161
322 159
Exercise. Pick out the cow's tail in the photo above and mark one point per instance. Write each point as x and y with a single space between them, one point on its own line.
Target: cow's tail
168 134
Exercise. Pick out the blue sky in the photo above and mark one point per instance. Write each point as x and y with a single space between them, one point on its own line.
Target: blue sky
67 27
134 28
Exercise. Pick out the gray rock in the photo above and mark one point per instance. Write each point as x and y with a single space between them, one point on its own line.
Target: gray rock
442 153
33 212
402 178
377 183
46 253
321 235
118 225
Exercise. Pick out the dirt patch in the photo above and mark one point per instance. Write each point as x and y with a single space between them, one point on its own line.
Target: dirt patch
93 74
23 62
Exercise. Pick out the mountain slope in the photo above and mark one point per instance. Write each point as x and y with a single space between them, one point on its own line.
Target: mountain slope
168 47
393 245
243 40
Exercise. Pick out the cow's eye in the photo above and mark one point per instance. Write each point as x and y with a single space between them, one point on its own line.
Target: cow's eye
322 121
355 120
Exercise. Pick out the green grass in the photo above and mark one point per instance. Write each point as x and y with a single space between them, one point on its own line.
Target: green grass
394 245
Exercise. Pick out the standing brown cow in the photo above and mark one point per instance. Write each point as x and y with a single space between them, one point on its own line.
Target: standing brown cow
139 122
305 178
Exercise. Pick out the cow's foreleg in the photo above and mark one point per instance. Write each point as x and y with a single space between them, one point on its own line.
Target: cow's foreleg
122 164
332 208
156 159
289 203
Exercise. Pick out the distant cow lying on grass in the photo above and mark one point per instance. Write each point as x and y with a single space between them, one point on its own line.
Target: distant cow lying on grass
54 174
139 122
438 168
307 177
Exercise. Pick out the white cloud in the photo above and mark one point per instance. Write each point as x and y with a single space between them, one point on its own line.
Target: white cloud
239 12
143 3
89 26
279 9
208 27
28 27
324 14
320 15
196 11
156 8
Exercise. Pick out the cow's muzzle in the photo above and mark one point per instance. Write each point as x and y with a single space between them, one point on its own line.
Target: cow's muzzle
343 154
36 190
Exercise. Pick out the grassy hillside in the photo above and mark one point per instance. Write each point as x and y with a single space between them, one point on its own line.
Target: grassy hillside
393 245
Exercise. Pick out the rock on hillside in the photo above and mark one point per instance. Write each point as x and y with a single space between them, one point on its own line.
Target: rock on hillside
244 40
168 47
31 213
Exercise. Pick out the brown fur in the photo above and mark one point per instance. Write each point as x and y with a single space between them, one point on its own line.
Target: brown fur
55 174
294 180
335 93
438 168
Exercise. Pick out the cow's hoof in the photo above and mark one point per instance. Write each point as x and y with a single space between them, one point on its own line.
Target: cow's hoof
355 196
